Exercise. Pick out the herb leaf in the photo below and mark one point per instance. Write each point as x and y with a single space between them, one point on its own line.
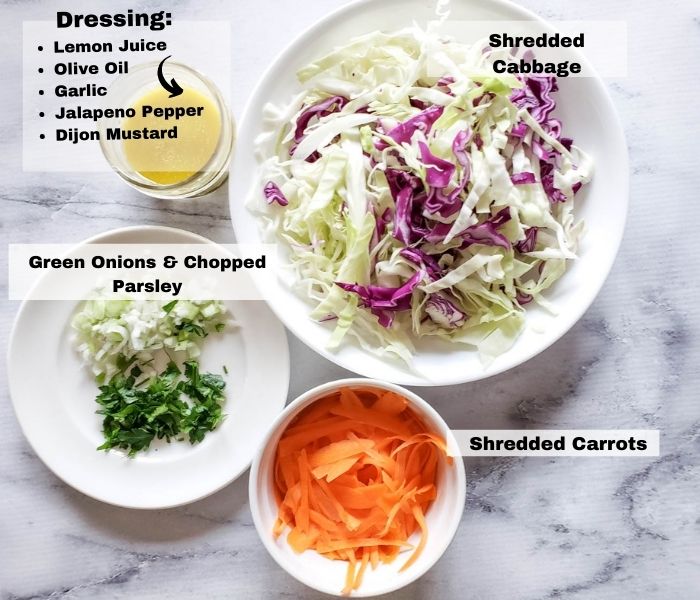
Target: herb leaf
190 327
169 306
136 415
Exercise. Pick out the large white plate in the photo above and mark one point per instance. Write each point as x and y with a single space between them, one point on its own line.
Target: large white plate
54 399
588 116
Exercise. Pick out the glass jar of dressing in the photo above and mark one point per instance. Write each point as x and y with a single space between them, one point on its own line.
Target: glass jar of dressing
167 146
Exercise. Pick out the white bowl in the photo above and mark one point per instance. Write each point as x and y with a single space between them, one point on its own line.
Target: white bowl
443 516
588 115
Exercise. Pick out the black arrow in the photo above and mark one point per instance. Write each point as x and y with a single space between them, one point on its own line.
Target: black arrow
173 87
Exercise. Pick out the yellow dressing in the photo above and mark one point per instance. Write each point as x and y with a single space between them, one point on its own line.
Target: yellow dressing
172 160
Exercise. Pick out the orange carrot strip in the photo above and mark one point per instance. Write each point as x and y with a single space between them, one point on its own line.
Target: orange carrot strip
278 527
391 403
334 470
323 522
360 497
418 514
361 571
423 438
339 450
395 510
302 516
351 522
300 440
370 417
318 424
349 578
301 541
350 399
359 543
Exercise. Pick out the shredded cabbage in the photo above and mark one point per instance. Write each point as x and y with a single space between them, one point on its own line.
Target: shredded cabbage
110 333
417 205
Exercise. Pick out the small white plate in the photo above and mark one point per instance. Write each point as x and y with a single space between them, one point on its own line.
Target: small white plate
54 398
588 115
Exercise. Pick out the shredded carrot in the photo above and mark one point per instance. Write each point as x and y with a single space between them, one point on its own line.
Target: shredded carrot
361 570
339 450
354 476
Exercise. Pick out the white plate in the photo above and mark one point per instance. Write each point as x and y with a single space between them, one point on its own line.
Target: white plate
54 399
589 117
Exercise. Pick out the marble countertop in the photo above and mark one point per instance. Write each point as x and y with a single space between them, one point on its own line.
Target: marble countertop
533 528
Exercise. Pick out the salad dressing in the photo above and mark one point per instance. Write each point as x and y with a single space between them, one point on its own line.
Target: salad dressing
193 122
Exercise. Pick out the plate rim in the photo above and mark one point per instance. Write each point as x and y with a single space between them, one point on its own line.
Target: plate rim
12 388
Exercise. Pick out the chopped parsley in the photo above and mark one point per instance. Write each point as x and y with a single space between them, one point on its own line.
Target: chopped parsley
189 327
169 306
134 414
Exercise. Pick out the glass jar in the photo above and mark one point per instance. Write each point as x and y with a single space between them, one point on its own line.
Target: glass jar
127 92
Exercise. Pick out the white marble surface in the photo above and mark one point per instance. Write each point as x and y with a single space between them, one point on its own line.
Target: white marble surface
575 529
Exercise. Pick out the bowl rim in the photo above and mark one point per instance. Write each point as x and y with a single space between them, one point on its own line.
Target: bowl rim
505 362
307 398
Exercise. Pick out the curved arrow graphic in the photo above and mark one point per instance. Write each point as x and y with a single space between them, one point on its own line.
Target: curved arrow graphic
173 87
